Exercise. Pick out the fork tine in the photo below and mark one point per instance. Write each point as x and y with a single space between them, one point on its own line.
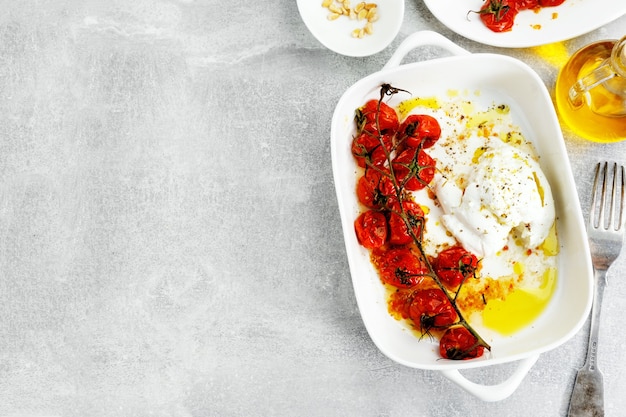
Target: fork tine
594 220
622 185
606 210
615 219
612 202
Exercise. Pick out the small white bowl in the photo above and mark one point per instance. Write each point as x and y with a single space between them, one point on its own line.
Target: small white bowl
336 35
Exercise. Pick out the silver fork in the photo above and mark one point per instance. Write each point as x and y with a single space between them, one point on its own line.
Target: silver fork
606 234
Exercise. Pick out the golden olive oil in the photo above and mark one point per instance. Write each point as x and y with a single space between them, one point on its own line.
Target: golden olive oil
582 121
521 307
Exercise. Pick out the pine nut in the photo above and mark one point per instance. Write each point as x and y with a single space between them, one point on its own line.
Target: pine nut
362 11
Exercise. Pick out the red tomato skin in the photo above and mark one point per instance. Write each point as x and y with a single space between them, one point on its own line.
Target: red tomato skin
431 308
498 15
370 118
414 173
371 229
550 3
374 189
368 193
454 265
398 232
399 267
526 4
459 344
420 129
368 146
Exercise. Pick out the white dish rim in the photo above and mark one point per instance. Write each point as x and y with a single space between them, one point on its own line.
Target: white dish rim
573 18
554 161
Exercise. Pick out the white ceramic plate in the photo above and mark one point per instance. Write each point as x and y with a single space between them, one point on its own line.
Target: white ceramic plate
336 35
574 18
532 110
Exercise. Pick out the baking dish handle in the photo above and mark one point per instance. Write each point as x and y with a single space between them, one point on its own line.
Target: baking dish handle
423 38
497 392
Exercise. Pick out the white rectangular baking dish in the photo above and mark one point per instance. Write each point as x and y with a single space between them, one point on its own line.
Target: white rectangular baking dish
501 79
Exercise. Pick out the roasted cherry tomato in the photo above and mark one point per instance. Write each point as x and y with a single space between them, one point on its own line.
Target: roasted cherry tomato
369 147
498 15
398 232
454 265
414 169
431 309
376 117
374 189
550 3
371 229
400 267
458 343
420 129
369 194
526 4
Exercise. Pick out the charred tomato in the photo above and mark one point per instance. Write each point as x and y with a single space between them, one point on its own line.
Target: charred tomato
371 229
526 4
376 117
550 3
454 265
458 343
498 15
372 148
400 267
398 231
414 169
374 189
420 129
431 309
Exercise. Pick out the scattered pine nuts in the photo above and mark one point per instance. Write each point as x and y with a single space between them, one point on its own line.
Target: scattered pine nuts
363 11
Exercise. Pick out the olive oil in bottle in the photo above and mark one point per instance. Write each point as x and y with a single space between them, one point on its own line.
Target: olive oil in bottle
598 117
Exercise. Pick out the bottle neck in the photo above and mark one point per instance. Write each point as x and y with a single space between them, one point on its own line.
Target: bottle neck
618 57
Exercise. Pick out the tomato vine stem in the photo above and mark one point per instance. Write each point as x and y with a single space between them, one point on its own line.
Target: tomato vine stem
414 169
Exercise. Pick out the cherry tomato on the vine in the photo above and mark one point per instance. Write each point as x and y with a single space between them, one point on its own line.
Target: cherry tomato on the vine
414 169
374 189
498 15
371 229
400 267
369 147
454 265
419 129
458 343
398 231
368 193
526 4
431 309
550 3
376 117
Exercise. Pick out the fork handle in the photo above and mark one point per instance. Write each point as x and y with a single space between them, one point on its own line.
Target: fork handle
588 394
591 362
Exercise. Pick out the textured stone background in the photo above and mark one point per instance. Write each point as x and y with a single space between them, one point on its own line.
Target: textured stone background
170 242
